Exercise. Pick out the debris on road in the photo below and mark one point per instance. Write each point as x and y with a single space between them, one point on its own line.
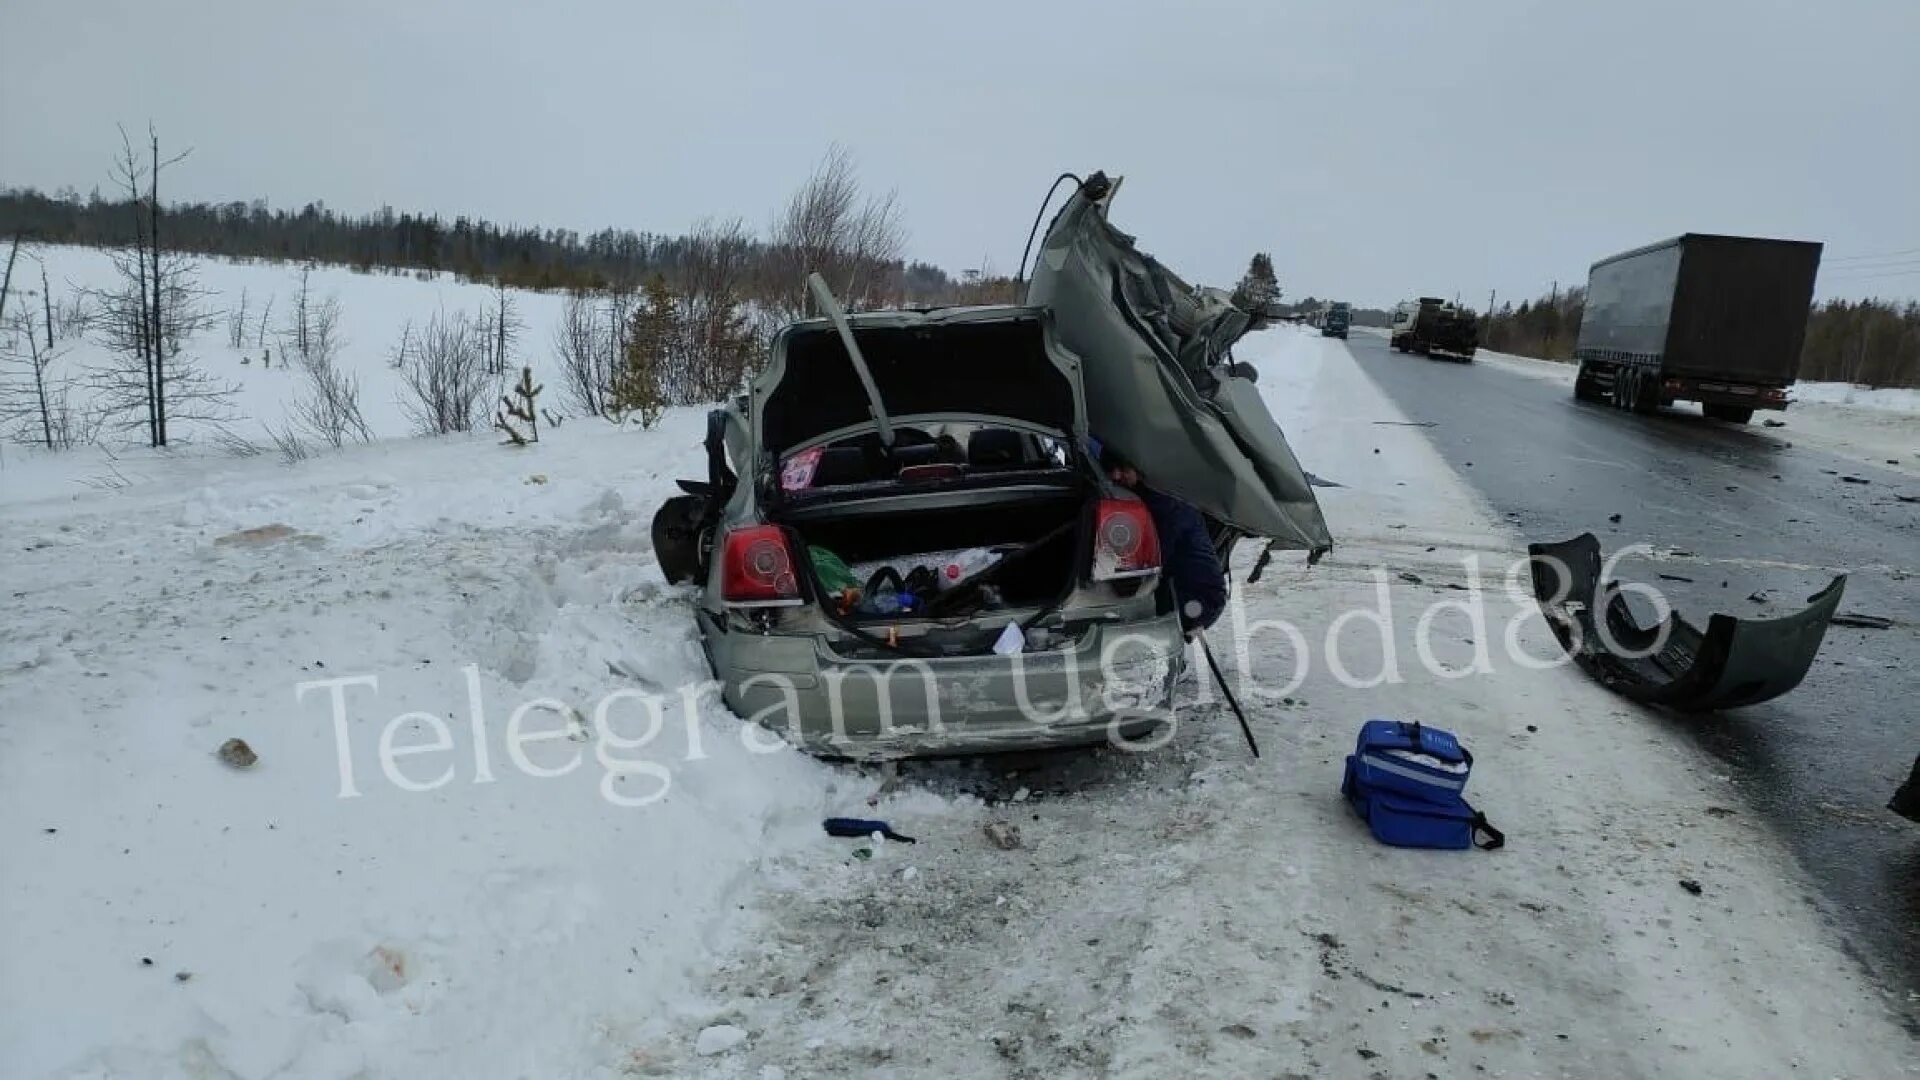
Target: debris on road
1759 597
1003 835
1864 622
1734 662
1849 478
1412 578
1406 423
237 753
863 827
1615 518
1771 422
1691 886
1676 577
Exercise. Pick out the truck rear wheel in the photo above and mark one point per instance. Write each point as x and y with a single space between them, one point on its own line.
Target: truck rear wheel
1732 414
1646 394
1583 388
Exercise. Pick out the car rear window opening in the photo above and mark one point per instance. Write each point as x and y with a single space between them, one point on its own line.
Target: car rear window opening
991 369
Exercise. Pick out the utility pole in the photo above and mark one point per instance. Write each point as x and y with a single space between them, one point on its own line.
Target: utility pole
1553 319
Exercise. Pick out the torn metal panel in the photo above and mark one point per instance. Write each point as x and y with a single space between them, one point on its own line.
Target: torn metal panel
1161 386
1734 662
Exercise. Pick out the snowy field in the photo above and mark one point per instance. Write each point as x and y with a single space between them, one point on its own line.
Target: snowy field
519 847
374 310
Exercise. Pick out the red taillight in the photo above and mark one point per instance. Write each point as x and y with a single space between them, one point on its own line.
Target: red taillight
756 569
1124 542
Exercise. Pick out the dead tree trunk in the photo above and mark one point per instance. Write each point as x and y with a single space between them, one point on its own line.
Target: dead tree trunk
46 303
6 284
159 336
143 329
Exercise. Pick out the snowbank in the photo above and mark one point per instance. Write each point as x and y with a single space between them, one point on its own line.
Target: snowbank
536 912
1881 399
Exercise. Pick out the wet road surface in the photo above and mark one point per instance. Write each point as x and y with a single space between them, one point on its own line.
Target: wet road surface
1738 510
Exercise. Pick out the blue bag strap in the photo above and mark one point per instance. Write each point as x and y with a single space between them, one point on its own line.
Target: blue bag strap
1495 838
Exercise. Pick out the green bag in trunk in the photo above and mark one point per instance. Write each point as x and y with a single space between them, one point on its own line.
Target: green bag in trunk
831 570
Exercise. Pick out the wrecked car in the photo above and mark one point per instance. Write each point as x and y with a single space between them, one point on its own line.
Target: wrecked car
1734 662
904 547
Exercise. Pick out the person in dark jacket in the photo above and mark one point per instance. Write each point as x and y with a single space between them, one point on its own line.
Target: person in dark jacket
1187 555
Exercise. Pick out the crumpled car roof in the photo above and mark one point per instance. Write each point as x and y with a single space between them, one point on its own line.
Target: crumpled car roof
1155 362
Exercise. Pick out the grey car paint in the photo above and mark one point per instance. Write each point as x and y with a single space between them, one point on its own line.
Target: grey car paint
1158 378
1100 666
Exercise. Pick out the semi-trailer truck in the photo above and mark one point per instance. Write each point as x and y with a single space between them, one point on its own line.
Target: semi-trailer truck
1335 319
1431 326
1715 319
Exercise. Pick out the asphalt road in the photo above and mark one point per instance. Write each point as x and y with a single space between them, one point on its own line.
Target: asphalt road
1747 512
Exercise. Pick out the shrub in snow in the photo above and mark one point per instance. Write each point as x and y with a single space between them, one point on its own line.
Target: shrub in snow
517 408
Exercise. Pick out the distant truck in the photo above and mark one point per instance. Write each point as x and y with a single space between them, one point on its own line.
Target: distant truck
1431 326
1335 320
1715 319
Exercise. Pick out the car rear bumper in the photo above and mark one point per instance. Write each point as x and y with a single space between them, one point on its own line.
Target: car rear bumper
1110 686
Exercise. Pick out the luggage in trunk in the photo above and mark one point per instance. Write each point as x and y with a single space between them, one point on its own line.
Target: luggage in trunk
917 542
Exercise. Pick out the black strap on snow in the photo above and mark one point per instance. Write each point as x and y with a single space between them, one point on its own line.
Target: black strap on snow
1495 838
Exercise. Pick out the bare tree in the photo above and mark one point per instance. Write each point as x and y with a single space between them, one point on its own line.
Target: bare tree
6 283
831 228
504 326
266 319
146 320
294 335
329 407
445 376
237 322
587 363
718 342
33 404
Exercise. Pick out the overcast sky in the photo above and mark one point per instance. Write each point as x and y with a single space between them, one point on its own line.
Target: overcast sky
1378 150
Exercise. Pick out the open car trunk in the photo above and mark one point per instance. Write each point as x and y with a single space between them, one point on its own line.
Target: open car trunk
891 543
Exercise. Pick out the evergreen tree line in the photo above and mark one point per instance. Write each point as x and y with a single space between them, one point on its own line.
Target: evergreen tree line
1871 342
1546 326
472 248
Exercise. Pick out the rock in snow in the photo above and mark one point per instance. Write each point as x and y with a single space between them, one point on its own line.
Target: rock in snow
718 1039
238 754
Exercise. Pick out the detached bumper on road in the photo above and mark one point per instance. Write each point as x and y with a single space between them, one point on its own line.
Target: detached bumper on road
1735 662
1113 684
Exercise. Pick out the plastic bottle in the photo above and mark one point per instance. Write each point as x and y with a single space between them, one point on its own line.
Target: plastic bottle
965 564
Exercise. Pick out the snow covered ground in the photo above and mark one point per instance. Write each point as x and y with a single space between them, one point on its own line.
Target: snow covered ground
1199 912
519 848
374 309
1874 427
